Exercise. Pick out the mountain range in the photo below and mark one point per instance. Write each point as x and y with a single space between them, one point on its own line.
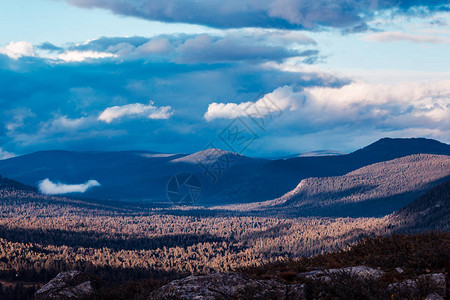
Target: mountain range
225 177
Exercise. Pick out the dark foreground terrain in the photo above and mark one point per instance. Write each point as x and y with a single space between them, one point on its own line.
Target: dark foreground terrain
401 266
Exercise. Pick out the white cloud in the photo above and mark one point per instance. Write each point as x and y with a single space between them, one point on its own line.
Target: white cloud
161 113
63 124
16 50
49 188
66 122
78 56
362 93
5 154
394 36
135 110
277 101
421 105
407 105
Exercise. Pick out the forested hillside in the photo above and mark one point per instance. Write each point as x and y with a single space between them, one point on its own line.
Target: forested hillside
430 211
375 190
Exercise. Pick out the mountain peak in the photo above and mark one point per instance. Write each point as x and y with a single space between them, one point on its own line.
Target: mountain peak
208 156
404 141
407 145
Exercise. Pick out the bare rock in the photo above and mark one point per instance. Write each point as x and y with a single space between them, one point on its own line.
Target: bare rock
434 296
228 286
359 271
67 285
436 282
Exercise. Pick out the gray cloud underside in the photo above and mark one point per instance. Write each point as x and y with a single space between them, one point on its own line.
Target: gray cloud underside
351 15
206 48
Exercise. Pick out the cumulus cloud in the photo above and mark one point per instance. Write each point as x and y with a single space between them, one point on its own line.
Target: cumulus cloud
15 50
402 36
6 154
63 125
78 56
205 48
276 101
135 110
351 94
49 188
293 14
423 105
255 45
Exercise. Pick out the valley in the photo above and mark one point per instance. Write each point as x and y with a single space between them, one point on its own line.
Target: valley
121 242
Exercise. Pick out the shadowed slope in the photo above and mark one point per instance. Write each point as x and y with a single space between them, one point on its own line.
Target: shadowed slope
431 211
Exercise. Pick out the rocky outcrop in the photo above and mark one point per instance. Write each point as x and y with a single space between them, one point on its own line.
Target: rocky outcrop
436 283
67 285
359 271
228 286
431 286
231 285
434 296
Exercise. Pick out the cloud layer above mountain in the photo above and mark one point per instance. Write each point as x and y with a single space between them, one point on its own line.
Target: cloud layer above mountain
101 99
263 61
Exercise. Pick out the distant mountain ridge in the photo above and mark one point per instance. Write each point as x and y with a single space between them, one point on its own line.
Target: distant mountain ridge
226 178
321 153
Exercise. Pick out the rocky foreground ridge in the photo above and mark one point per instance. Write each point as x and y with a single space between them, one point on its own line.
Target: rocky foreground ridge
400 266
234 285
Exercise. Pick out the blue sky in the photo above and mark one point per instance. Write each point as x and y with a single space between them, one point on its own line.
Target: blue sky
171 76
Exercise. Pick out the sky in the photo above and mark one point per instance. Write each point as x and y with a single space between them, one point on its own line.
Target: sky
262 78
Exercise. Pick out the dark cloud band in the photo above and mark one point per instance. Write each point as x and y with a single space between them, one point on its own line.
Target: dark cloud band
350 15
